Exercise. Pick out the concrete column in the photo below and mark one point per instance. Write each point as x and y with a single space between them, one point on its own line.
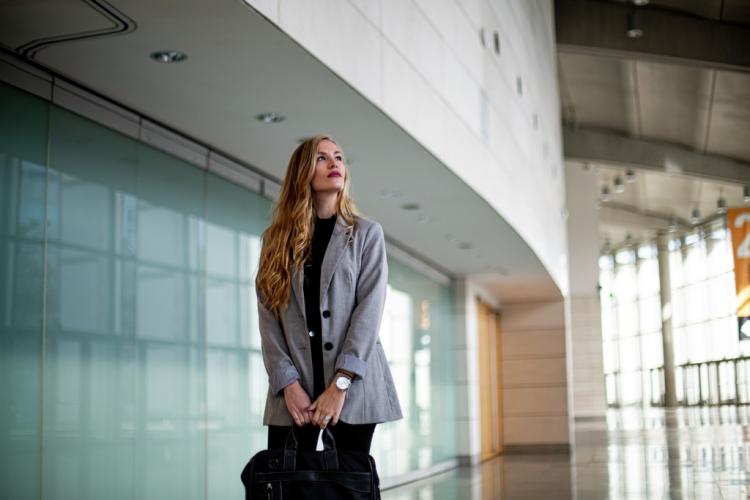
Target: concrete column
586 366
665 285
535 379
468 423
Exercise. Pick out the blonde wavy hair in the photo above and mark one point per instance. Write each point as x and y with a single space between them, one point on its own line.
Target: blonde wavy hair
287 241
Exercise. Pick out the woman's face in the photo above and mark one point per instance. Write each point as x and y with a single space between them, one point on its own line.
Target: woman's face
330 170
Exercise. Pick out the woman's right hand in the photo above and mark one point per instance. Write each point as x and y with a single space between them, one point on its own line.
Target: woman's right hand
298 403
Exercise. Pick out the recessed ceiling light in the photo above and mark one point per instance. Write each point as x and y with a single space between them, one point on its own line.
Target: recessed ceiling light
168 56
619 186
465 246
721 205
634 33
410 206
270 117
672 225
695 217
389 193
634 30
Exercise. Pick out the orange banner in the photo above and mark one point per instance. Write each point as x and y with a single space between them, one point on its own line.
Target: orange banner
738 220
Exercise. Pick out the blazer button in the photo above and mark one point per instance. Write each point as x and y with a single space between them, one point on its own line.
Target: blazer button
311 333
326 313
328 346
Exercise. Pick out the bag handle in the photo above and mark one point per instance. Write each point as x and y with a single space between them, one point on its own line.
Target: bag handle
290 450
330 454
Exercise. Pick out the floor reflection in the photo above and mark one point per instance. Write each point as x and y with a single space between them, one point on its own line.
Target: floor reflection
688 453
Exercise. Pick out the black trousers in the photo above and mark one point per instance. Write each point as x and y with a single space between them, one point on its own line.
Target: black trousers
348 437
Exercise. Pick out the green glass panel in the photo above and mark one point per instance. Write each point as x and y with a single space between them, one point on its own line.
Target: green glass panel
23 151
237 381
417 336
125 359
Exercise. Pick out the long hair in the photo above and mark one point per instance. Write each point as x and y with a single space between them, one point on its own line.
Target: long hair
287 241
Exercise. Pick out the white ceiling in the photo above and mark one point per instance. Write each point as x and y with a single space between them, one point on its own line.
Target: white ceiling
701 109
240 65
706 110
737 11
648 204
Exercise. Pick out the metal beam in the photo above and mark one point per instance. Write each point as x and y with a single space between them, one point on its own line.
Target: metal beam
599 27
608 147
618 214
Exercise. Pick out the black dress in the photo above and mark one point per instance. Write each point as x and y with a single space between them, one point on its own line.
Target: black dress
321 237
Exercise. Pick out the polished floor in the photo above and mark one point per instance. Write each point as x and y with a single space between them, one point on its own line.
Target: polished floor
695 453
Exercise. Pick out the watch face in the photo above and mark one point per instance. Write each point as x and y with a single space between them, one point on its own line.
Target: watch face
343 383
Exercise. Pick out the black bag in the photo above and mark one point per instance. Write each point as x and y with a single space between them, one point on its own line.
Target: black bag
319 475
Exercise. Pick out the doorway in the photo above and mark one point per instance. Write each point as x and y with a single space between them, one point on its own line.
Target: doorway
490 380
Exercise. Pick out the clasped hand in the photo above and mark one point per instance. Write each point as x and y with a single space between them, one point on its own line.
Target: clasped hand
303 412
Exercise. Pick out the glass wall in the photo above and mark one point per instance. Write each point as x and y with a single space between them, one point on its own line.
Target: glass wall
711 362
704 321
129 351
631 325
418 341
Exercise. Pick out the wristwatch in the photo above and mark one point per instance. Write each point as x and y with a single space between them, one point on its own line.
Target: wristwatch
343 382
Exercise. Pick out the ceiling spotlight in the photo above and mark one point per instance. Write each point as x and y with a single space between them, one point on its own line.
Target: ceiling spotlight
410 206
619 186
605 194
746 194
634 30
270 117
168 56
721 205
465 246
672 225
695 217
630 176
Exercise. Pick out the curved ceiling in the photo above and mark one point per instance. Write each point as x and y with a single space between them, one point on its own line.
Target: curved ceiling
240 65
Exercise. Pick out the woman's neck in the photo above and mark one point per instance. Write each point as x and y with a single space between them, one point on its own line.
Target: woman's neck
325 205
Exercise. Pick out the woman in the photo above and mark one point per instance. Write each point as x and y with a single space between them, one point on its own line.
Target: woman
321 287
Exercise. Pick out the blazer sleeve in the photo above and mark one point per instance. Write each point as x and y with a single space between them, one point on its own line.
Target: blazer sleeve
279 366
364 326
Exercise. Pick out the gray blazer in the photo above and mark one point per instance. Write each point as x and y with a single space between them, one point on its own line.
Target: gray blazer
353 280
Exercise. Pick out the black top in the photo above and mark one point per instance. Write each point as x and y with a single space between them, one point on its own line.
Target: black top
311 287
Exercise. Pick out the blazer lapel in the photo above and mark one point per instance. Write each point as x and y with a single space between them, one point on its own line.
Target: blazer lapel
299 293
335 250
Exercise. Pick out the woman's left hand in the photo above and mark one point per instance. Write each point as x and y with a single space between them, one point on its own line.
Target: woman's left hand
328 404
